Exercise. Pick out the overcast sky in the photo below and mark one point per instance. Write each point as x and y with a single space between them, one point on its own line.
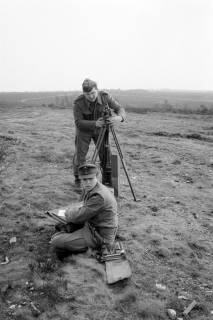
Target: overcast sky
149 44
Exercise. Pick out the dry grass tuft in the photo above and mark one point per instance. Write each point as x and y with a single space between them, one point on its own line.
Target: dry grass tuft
3 152
92 264
126 301
23 314
151 309
52 156
51 294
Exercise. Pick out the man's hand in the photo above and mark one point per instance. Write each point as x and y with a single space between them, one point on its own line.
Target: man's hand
99 123
115 119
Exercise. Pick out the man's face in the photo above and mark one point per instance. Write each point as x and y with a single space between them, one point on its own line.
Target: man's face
92 95
88 183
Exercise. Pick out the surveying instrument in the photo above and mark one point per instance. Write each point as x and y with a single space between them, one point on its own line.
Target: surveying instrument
109 162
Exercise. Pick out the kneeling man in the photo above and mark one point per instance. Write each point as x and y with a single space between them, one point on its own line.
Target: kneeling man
95 223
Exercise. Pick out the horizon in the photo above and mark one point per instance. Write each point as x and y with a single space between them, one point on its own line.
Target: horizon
109 89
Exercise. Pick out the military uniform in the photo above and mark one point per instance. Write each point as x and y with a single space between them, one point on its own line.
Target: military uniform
97 220
85 115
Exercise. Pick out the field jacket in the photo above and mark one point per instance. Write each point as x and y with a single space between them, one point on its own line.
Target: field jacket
85 114
99 210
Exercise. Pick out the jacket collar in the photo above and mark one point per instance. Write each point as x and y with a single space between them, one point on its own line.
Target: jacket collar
99 100
95 187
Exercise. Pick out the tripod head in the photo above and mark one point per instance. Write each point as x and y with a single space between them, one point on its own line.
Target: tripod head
107 114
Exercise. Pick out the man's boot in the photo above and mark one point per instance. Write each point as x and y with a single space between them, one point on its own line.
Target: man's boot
62 253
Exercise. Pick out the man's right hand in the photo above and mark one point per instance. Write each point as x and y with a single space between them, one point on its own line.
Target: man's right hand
99 123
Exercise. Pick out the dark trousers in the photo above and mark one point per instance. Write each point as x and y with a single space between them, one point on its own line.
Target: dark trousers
78 238
82 143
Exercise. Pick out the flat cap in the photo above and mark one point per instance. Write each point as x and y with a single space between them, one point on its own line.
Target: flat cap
87 170
88 85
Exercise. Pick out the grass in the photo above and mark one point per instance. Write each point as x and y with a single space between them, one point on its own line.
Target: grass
202 110
5 143
151 309
167 234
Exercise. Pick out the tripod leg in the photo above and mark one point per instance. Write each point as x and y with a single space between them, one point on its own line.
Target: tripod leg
122 160
103 150
98 144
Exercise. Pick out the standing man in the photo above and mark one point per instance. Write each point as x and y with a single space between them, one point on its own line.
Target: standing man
88 115
94 224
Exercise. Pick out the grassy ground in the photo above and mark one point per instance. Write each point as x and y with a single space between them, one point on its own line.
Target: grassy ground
167 234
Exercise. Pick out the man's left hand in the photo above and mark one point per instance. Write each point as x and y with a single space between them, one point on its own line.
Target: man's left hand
115 119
